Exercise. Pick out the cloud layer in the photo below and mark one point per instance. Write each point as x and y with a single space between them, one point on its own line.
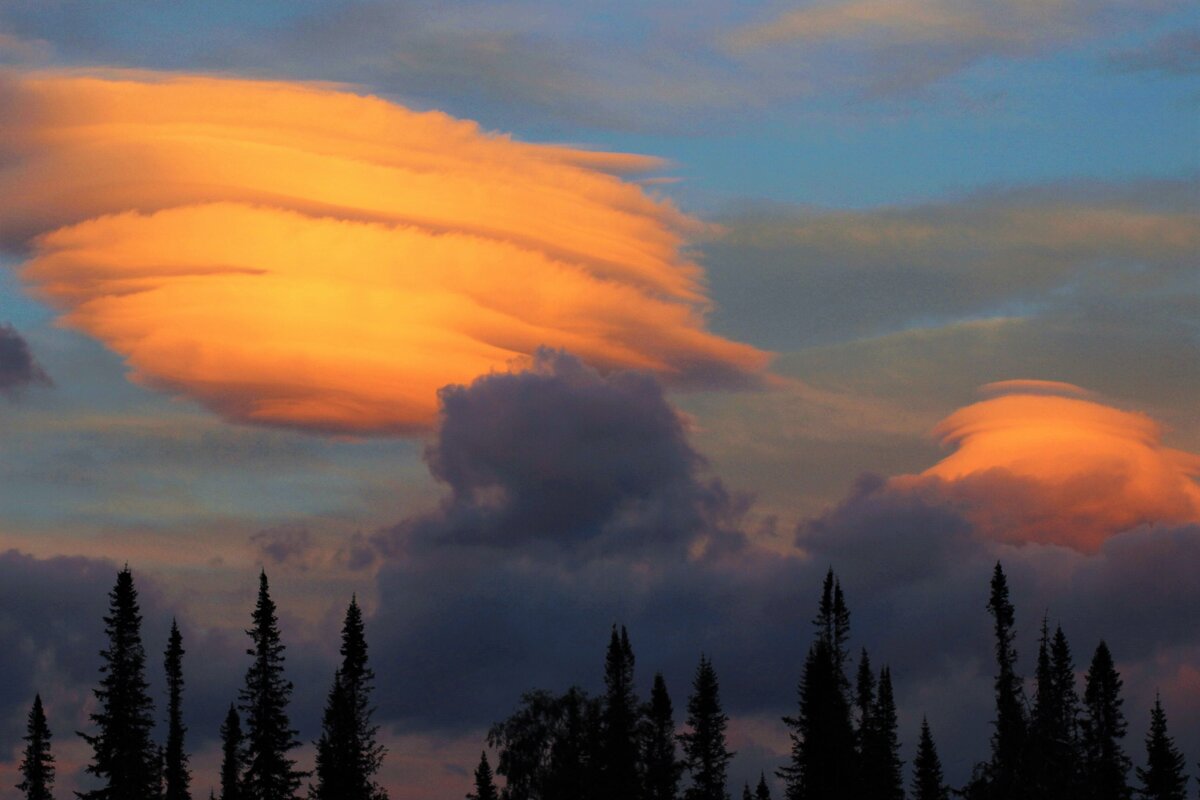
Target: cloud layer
18 367
300 256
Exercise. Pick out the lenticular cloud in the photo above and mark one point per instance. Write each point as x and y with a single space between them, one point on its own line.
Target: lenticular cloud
301 256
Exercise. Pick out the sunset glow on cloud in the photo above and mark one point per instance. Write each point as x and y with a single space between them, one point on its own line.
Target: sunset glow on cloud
1041 462
295 255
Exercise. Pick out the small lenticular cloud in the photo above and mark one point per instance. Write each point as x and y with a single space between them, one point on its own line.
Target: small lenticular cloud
300 256
1041 462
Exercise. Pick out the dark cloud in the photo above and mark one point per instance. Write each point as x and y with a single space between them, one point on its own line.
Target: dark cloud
18 368
1174 54
560 457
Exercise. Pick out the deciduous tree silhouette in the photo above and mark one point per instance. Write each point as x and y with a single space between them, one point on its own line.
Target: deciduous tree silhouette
928 780
231 755
37 765
547 747
1106 767
176 775
269 772
662 767
705 752
124 756
1163 777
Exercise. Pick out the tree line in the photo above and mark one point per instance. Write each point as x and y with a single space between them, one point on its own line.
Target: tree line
1056 745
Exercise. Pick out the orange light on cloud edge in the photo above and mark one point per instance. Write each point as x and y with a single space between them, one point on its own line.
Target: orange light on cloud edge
1042 462
301 256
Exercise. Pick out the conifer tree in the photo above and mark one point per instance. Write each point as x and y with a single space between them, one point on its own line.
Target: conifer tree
864 701
1008 739
619 754
762 792
662 767
928 780
705 753
231 755
880 768
124 756
269 773
485 786
1052 758
822 766
1163 777
746 791
348 752
176 775
1106 765
37 766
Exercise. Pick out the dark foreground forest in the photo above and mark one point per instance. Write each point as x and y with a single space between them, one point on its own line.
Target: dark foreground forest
1049 740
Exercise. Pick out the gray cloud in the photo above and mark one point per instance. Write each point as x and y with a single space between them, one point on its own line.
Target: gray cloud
18 367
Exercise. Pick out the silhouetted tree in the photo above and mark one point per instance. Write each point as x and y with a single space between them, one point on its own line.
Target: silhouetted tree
833 623
762 791
546 748
619 724
124 757
269 773
746 791
822 766
881 770
864 701
485 786
231 755
662 768
1106 765
1002 776
928 780
37 766
1163 778
1051 760
176 776
705 753
348 752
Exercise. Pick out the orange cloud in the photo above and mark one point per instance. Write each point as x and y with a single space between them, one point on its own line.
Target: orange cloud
297 255
1041 462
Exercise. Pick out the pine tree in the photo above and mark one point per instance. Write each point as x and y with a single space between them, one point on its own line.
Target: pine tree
124 756
269 773
705 753
37 767
176 775
348 752
822 765
928 780
1008 739
485 786
619 754
1106 765
231 755
1163 778
662 767
762 792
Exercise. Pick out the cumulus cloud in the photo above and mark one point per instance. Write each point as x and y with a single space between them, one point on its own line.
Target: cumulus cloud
18 368
295 255
561 456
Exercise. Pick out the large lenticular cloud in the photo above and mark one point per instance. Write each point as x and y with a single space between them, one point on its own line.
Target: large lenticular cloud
300 256
1046 462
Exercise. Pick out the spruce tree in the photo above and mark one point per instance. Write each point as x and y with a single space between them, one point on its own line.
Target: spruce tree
762 792
231 755
485 786
1008 739
269 773
928 780
37 766
1052 759
348 752
705 753
662 768
884 771
864 701
619 753
1164 777
822 766
124 756
176 775
746 791
1106 766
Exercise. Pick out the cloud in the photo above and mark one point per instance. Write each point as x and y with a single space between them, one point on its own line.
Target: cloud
914 43
18 368
1176 53
559 456
298 256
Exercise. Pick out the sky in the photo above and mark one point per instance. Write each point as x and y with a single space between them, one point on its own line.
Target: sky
521 319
